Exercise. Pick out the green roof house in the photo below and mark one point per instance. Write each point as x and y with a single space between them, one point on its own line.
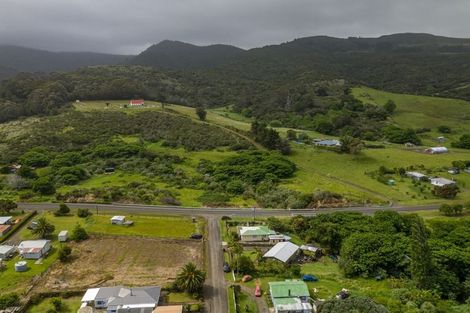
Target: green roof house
290 296
255 233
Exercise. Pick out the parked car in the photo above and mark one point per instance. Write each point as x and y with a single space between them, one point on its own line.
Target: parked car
258 291
309 277
195 236
227 268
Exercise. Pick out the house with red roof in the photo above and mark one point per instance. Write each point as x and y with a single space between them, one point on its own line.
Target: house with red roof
136 102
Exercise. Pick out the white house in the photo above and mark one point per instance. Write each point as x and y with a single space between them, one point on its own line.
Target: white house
290 296
416 175
6 220
118 220
34 249
6 252
283 251
255 233
328 143
441 182
63 236
123 299
436 150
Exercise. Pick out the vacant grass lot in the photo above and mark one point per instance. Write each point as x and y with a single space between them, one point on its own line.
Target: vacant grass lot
145 226
72 304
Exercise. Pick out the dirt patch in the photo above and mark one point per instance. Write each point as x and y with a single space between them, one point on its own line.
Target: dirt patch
107 261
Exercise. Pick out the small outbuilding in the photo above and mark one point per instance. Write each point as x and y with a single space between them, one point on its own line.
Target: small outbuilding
283 251
6 252
34 249
441 182
118 220
436 150
63 236
416 175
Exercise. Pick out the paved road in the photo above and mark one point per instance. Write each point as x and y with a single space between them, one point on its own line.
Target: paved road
215 289
153 209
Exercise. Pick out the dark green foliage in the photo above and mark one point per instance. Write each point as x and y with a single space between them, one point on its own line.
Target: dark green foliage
371 254
35 158
79 233
444 129
43 228
201 113
244 265
350 145
451 210
44 185
421 262
190 279
353 304
63 210
397 135
211 198
9 300
464 142
269 138
116 149
6 206
26 171
65 253
390 106
446 191
83 213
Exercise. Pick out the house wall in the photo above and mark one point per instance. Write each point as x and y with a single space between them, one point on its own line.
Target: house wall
254 238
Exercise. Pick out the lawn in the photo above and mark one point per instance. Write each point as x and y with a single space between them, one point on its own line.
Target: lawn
145 226
72 304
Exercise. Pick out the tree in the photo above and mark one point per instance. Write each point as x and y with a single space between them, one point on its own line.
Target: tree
450 210
351 145
446 191
190 279
64 253
44 185
201 113
83 213
354 304
390 107
63 210
43 228
444 129
421 258
6 206
244 265
79 233
9 300
291 134
464 142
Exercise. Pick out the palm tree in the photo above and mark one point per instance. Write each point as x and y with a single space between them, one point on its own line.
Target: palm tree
43 228
190 279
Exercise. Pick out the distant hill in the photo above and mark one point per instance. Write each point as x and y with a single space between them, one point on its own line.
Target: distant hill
179 55
6 72
22 59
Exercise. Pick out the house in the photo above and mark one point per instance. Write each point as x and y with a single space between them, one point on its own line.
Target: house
34 249
278 238
283 251
328 143
255 233
118 220
63 236
121 299
4 229
6 220
416 175
137 102
454 171
290 296
436 150
169 309
441 182
6 252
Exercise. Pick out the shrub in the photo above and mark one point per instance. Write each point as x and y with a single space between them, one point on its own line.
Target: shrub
9 300
83 213
79 233
63 210
64 253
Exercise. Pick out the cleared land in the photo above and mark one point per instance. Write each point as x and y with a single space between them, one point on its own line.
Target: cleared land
111 260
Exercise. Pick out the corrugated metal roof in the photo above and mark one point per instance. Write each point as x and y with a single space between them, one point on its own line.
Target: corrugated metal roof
256 231
282 251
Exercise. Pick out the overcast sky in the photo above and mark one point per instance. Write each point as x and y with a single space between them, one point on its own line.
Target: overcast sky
129 26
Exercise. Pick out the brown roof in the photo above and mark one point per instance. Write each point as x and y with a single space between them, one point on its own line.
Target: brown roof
4 228
169 309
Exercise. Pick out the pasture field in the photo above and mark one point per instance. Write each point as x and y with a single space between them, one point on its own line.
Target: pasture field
122 260
144 226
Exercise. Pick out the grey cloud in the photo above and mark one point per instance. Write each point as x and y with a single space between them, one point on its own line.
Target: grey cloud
128 26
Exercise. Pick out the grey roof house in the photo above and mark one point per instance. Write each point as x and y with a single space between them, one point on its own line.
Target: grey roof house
283 251
121 299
